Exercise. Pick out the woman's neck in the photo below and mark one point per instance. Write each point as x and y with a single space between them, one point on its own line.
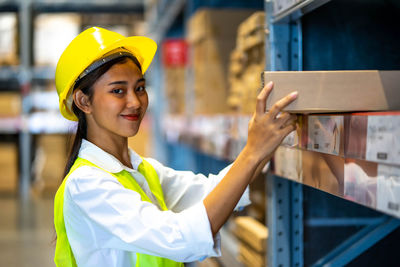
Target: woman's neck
114 145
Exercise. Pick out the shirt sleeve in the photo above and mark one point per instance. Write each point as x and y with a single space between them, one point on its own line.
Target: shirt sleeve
119 219
184 189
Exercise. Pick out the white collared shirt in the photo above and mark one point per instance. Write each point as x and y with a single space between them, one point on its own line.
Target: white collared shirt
107 224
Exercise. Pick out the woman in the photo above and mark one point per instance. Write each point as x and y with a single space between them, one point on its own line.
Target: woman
115 208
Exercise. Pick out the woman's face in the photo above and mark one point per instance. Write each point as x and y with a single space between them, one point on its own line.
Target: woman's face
119 100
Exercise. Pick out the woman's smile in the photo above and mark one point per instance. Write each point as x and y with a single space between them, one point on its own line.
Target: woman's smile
131 117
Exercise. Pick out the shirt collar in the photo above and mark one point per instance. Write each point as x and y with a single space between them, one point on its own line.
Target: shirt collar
108 162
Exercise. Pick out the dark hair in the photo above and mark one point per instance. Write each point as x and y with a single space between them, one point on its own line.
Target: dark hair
86 86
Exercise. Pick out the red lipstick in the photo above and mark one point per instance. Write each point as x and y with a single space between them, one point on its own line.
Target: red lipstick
131 117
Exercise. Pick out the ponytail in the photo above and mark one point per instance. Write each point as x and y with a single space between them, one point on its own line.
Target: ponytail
81 133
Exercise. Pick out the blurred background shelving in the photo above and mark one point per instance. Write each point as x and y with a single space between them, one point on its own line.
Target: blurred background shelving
202 87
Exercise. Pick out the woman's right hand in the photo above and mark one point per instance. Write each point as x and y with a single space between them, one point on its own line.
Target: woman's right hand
268 129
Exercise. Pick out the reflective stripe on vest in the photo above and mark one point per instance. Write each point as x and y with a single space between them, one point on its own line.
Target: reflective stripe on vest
64 256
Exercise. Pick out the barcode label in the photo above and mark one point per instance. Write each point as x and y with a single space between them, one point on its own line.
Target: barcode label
393 206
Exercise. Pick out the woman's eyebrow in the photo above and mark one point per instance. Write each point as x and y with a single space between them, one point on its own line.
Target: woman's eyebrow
118 82
140 80
125 82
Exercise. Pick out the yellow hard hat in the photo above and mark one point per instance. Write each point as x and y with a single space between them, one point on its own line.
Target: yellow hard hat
88 47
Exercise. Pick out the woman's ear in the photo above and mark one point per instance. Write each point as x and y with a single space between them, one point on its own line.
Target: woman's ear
82 101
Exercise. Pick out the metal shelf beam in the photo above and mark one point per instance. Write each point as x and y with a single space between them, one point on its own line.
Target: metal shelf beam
158 27
296 11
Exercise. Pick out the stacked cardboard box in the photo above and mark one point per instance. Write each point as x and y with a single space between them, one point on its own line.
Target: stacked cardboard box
253 236
10 104
175 89
212 35
8 168
323 91
258 199
247 62
8 39
174 54
49 164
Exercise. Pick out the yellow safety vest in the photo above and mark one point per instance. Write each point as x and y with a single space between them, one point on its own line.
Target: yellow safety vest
64 256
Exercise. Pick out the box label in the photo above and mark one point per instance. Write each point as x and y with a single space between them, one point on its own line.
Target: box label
383 139
324 134
388 189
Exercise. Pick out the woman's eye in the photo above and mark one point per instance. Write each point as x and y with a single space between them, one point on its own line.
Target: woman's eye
117 91
140 88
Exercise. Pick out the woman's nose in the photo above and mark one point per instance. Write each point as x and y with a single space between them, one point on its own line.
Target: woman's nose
132 100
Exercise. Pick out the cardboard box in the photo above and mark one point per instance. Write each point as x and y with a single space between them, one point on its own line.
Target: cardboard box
336 91
250 257
216 23
212 37
49 164
323 171
8 168
10 104
325 134
355 136
246 64
288 163
174 87
252 232
251 32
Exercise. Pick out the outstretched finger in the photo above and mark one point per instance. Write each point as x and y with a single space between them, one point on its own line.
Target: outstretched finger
282 103
262 98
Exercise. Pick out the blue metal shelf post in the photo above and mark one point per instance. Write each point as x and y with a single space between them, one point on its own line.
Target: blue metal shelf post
284 209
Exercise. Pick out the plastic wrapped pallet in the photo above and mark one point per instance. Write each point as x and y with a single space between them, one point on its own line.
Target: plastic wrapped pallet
212 36
8 39
52 34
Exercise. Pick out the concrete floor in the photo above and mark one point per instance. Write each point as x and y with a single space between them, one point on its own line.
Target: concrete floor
26 232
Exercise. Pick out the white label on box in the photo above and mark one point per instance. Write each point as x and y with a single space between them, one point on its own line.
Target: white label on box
383 139
388 191
324 134
358 186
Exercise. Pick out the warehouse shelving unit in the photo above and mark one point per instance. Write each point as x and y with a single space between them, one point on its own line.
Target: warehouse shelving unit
287 221
296 211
